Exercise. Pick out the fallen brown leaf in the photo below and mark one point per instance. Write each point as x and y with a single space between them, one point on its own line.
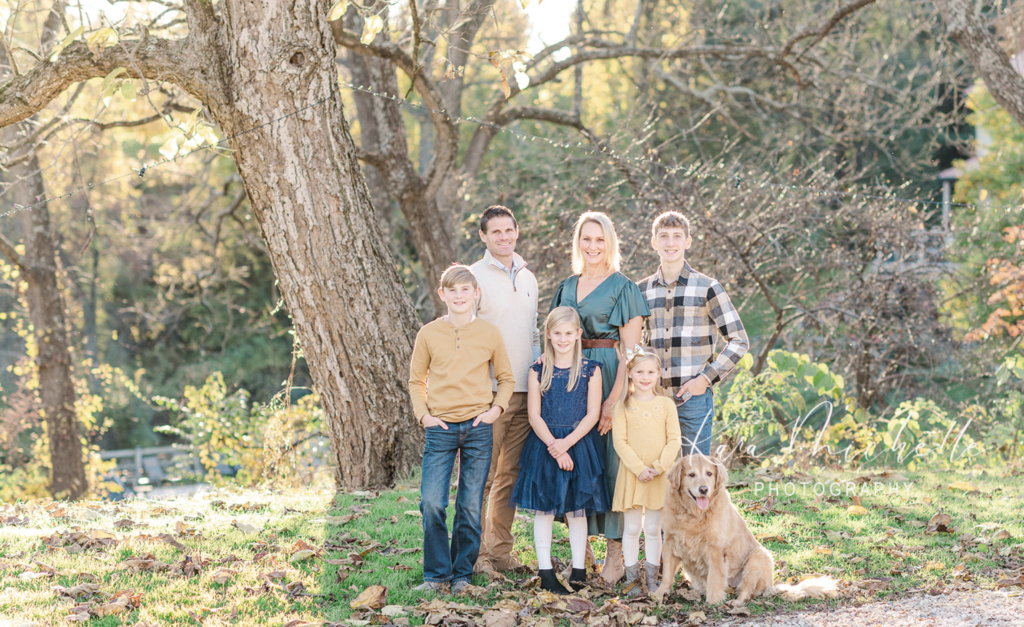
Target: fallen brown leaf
372 598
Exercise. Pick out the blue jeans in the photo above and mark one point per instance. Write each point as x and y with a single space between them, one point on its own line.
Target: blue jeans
695 417
442 563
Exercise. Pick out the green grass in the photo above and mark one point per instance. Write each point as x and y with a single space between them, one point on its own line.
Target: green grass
821 537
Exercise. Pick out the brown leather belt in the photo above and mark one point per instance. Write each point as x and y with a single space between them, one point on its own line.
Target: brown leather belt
600 343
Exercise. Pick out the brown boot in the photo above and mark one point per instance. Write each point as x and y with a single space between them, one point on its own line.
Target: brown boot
613 568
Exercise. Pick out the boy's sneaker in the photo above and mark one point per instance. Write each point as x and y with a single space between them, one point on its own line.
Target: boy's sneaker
429 586
459 586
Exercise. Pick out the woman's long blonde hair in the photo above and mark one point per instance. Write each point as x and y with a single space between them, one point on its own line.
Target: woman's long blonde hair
626 397
611 241
561 315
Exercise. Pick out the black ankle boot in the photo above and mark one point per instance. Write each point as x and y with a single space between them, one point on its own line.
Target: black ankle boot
578 579
549 582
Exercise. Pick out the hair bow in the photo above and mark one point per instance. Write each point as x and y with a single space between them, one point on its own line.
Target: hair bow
635 351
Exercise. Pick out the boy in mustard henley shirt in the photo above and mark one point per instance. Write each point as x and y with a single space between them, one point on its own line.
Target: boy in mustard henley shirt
456 353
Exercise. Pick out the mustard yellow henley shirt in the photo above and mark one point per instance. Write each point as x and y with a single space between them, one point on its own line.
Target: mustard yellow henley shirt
458 362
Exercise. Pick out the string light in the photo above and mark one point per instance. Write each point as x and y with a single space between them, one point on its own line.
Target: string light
690 171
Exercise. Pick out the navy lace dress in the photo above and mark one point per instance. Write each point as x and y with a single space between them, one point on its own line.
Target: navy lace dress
544 488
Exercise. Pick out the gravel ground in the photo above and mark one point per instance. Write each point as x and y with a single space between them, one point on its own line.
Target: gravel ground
958 609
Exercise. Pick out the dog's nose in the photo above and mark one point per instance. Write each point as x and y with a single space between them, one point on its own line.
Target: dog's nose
703 489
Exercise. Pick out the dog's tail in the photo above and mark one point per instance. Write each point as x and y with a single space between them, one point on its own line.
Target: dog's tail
813 588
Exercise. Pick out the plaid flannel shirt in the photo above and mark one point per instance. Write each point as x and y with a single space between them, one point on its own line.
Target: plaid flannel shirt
685 316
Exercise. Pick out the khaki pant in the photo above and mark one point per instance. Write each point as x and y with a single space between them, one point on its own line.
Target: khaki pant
510 431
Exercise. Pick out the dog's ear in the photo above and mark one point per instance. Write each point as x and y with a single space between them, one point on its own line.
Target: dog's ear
675 474
721 474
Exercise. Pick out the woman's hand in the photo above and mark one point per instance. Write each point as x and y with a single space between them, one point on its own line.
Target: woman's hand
605 424
646 475
564 462
558 447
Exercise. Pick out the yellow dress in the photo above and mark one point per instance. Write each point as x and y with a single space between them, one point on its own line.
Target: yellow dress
646 435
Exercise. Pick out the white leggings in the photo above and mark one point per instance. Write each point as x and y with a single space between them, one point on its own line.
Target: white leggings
542 528
650 522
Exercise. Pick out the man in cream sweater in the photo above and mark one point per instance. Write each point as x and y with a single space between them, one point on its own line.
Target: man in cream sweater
508 300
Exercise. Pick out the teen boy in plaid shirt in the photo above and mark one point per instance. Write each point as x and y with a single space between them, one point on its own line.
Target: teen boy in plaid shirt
688 310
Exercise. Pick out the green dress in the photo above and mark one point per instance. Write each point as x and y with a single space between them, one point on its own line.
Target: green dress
612 304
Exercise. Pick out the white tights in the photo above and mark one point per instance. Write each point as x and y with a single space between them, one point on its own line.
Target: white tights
542 529
650 522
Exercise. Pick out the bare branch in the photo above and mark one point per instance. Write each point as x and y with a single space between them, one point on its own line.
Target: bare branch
12 255
824 30
26 95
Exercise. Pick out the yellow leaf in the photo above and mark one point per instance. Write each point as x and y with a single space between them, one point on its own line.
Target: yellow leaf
504 85
372 598
298 556
857 510
823 550
67 42
966 486
105 87
103 38
932 566
373 25
128 90
338 10
170 148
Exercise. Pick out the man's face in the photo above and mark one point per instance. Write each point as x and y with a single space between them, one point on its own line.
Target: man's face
500 237
671 244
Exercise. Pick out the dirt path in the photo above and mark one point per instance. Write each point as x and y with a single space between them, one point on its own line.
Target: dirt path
980 608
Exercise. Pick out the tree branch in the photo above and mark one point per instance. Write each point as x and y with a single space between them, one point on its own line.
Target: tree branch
160 59
12 255
823 31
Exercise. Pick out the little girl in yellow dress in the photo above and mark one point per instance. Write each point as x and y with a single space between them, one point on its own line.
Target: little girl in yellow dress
645 431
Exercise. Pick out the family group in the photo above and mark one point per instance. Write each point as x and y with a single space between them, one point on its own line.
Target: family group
583 429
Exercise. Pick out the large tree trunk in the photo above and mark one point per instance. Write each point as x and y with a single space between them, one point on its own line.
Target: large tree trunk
964 22
265 70
45 306
386 149
353 318
46 312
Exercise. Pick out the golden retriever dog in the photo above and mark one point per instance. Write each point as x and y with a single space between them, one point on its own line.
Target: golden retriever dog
705 534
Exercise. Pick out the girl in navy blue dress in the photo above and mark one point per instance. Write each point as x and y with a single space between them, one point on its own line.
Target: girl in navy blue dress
561 469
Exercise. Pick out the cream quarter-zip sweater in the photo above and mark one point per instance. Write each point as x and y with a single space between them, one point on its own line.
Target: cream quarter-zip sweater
510 305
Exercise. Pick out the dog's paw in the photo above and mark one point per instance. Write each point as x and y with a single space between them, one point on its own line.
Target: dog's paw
658 596
714 597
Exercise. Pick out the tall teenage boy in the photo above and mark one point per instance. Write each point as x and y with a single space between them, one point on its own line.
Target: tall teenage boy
508 300
456 352
689 311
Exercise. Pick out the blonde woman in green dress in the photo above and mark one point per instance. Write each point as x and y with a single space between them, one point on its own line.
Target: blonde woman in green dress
612 310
